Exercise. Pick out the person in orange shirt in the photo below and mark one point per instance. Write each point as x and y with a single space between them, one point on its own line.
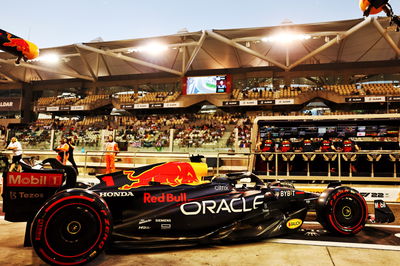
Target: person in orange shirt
111 150
62 151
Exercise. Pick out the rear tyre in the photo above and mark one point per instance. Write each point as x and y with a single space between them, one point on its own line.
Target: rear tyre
342 210
72 228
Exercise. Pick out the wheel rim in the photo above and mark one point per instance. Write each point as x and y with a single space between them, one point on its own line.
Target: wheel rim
72 230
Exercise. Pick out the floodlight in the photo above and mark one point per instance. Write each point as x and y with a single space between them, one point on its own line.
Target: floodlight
151 48
49 58
286 37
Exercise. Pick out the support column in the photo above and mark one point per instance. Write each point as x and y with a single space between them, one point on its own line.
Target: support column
26 103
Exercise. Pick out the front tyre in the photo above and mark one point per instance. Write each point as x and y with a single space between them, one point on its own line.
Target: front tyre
342 210
72 228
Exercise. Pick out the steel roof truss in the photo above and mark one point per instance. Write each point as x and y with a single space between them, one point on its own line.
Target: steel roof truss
46 69
332 42
387 37
86 63
244 49
128 59
195 52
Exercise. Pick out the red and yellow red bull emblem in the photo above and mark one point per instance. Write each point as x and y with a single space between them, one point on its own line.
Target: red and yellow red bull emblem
364 4
17 46
171 173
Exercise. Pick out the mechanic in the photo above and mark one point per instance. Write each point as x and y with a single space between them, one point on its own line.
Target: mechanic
349 145
16 148
62 151
71 147
111 150
285 146
327 146
267 145
307 145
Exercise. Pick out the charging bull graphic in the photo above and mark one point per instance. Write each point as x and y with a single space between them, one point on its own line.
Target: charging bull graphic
17 46
171 173
372 7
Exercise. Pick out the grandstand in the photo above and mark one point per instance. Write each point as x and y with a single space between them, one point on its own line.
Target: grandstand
205 92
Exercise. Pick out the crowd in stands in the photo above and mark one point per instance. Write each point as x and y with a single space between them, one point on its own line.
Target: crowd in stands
243 129
151 97
193 130
268 93
291 92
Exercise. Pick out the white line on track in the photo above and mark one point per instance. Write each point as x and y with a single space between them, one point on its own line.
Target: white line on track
333 244
368 225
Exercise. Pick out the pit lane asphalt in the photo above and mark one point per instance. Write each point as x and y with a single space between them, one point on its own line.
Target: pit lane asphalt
296 249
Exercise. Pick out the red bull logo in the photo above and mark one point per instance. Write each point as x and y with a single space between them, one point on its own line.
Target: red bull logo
164 197
171 173
28 50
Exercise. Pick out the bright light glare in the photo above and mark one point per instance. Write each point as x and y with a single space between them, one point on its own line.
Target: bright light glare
286 38
49 58
151 48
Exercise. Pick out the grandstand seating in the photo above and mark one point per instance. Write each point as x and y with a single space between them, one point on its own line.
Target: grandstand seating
158 97
91 99
46 101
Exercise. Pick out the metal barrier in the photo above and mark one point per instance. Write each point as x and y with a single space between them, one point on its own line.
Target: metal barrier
372 166
132 159
340 166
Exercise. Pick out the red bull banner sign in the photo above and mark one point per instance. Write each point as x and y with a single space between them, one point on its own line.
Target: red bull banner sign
17 46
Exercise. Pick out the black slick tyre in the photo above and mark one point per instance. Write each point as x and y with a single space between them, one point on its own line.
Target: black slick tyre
342 210
72 228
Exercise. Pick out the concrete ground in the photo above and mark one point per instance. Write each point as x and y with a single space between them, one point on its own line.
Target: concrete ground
12 252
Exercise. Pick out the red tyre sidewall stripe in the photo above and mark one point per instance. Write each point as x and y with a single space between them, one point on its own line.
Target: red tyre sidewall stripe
59 262
68 198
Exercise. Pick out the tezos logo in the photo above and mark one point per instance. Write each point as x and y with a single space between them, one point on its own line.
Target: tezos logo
294 223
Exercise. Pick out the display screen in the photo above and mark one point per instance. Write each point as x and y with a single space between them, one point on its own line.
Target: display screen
207 84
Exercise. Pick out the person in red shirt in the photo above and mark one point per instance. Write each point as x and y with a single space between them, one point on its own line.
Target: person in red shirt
327 146
285 146
349 146
268 145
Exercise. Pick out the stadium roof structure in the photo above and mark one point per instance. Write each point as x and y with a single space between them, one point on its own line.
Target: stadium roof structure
361 40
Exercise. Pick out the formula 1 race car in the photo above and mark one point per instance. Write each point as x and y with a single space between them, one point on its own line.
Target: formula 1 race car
164 204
